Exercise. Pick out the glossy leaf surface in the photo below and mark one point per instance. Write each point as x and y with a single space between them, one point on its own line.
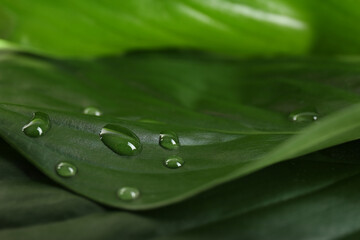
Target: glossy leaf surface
226 128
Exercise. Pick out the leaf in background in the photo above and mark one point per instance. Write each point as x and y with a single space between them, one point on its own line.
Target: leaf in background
29 198
313 197
89 28
332 24
314 190
236 27
226 128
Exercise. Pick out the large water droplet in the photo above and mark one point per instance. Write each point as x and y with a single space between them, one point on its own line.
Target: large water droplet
304 117
121 140
128 193
38 126
174 162
92 111
65 169
169 140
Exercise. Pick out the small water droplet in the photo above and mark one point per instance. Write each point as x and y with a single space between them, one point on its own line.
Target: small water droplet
174 162
121 140
92 111
65 169
169 140
128 193
38 125
304 117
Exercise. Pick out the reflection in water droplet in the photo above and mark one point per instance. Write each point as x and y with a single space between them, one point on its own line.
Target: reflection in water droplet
169 140
38 126
121 140
128 193
174 162
304 117
92 111
65 169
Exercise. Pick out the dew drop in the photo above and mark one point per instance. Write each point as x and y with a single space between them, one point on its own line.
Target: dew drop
304 117
120 140
65 169
169 140
38 125
128 193
174 162
92 111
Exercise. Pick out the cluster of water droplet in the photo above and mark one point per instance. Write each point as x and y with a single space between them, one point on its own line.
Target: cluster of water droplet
117 138
170 141
125 143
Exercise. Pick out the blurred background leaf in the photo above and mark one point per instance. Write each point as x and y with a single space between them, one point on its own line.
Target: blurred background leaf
234 27
310 197
91 28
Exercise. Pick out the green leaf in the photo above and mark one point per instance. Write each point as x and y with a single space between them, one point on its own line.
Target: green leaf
312 197
315 190
91 28
226 128
332 24
29 198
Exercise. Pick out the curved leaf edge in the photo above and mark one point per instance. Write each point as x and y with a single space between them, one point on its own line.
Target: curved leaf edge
346 125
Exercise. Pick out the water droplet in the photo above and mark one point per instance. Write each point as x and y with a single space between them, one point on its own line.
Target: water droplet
174 162
128 193
38 126
169 140
304 117
121 140
65 169
92 111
